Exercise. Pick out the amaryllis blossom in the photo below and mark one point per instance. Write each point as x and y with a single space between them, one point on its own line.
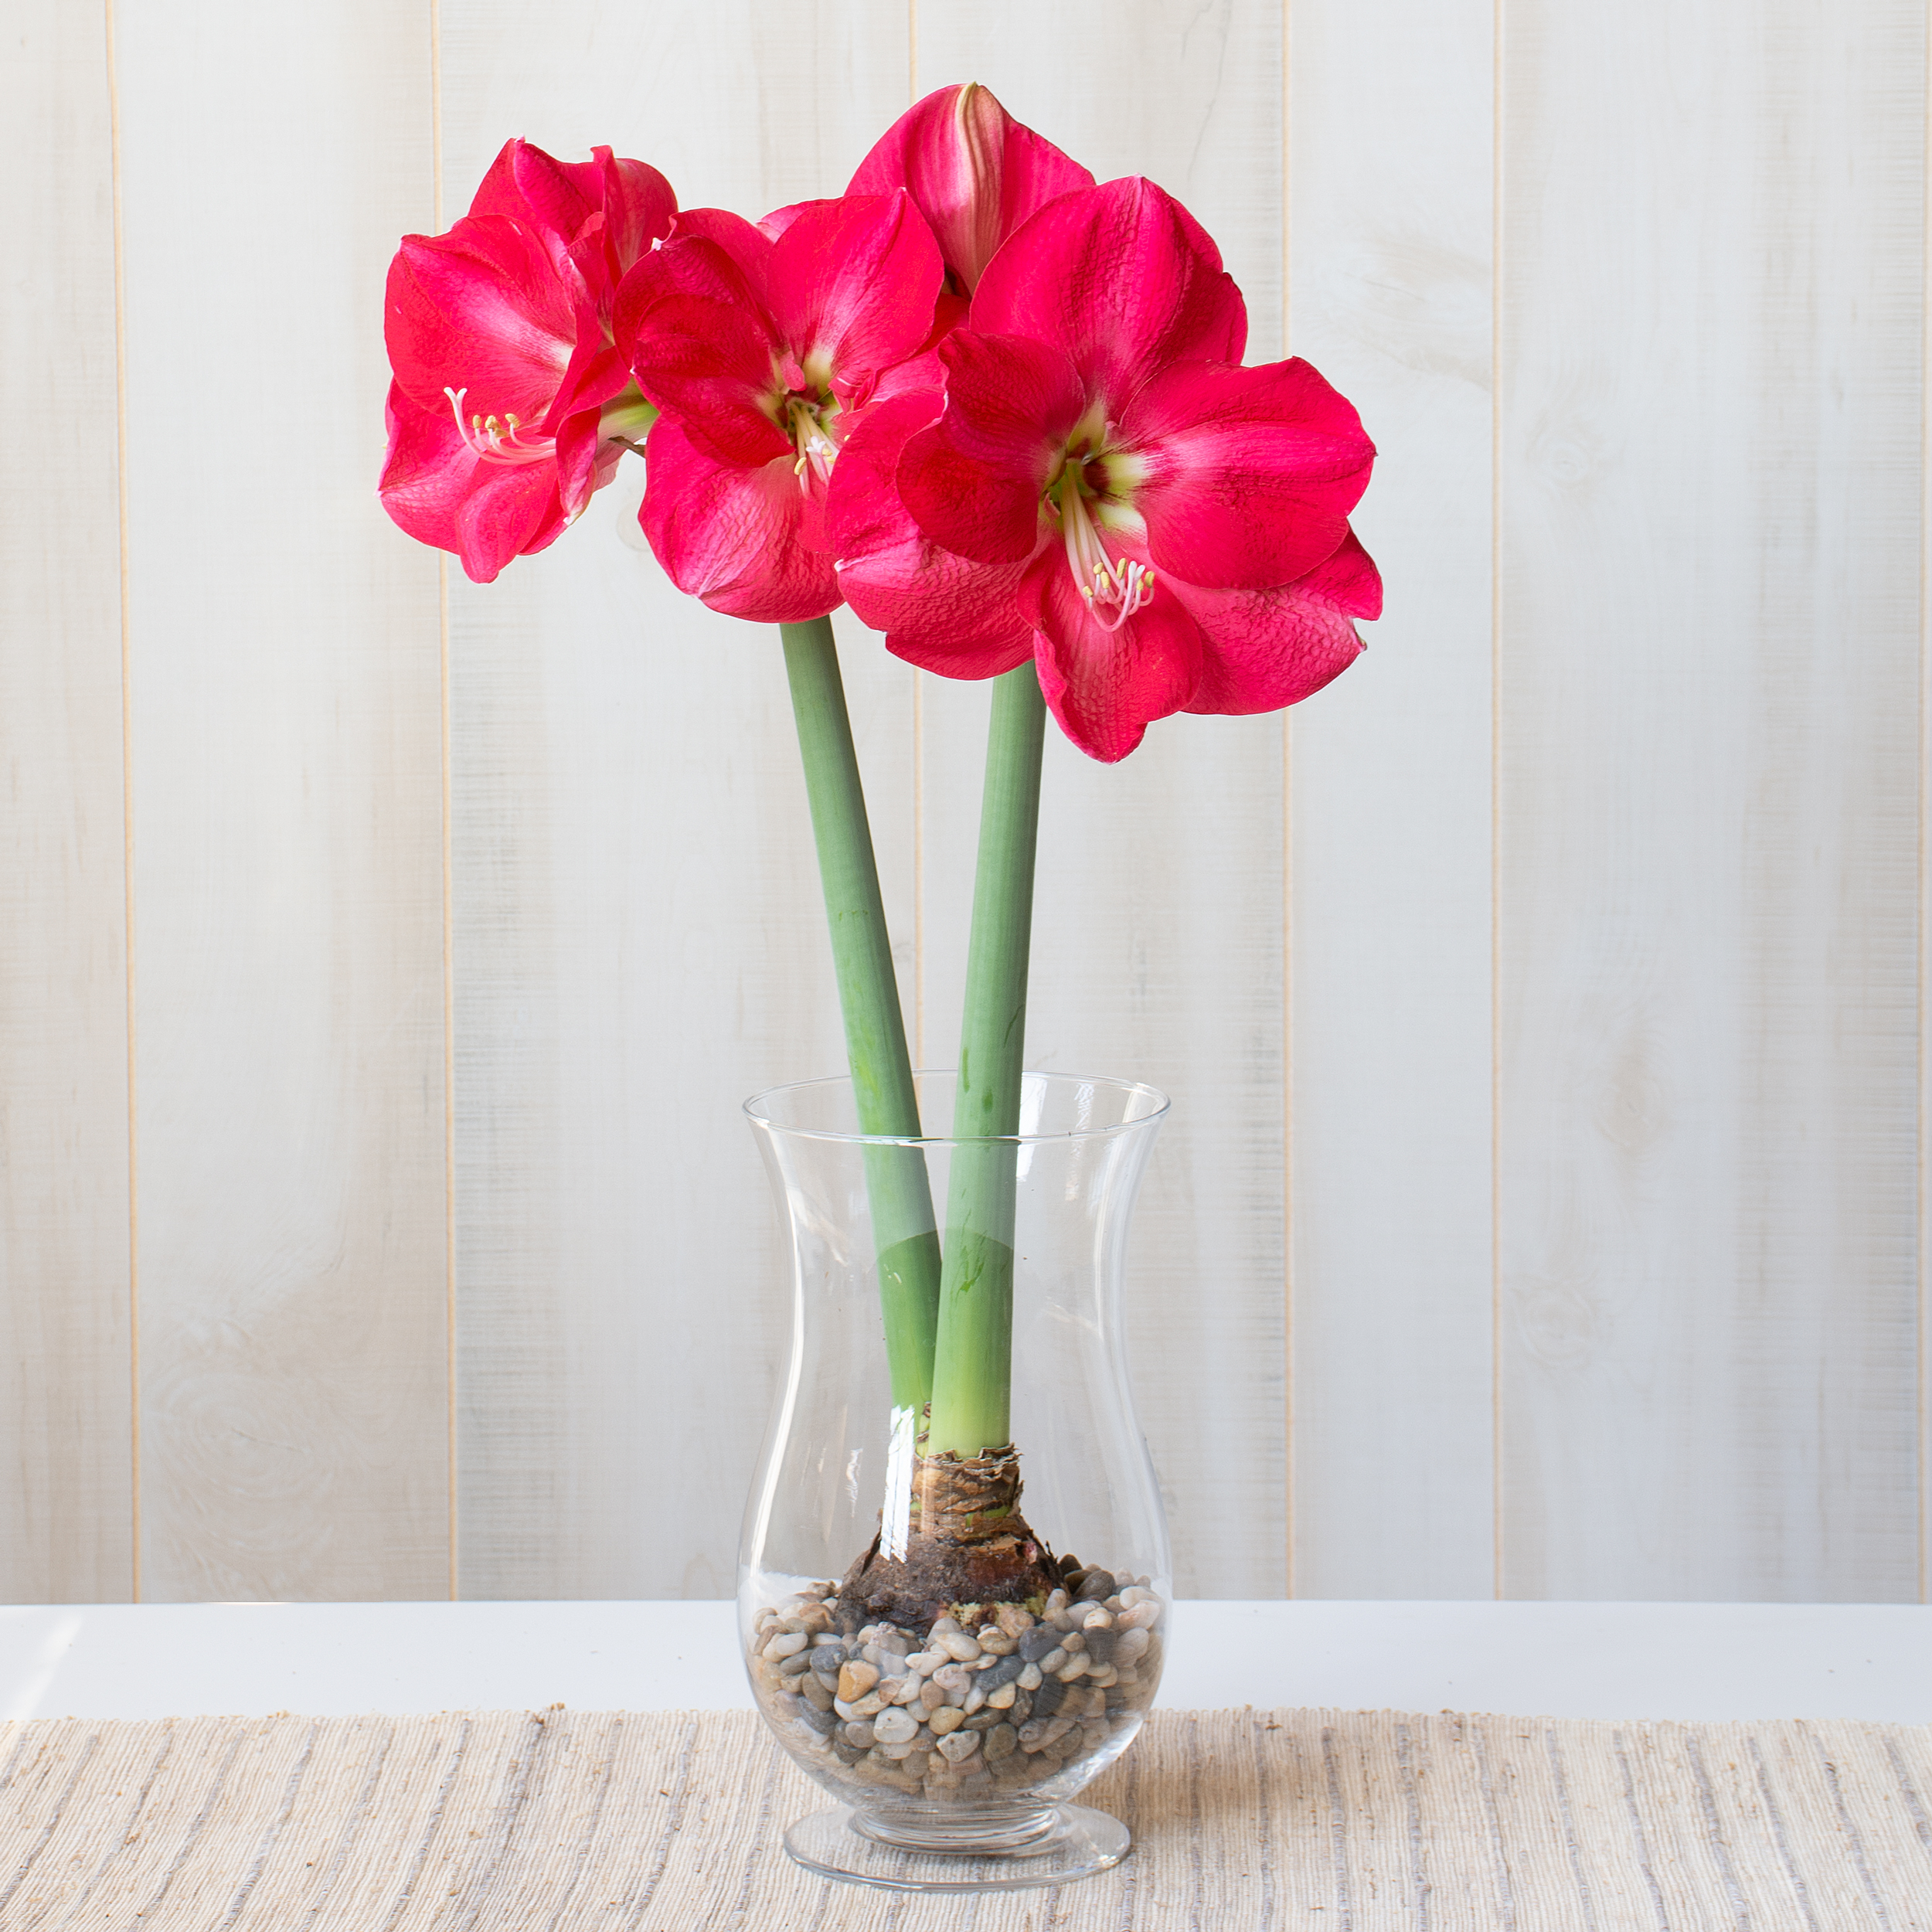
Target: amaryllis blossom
510 403
762 349
1103 485
974 172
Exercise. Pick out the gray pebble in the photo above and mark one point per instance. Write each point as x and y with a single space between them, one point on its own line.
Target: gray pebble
1095 1587
1035 1644
1004 1670
1048 1698
859 1734
1001 1741
828 1660
1100 1644
822 1722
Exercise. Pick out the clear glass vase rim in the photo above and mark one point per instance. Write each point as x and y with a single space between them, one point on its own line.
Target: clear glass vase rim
754 1112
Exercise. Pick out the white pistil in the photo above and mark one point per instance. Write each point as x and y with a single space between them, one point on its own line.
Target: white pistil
497 439
1113 590
817 451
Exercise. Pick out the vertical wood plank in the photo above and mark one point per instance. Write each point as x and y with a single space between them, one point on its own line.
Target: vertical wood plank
1712 273
1158 939
287 794
1390 1062
66 1450
640 940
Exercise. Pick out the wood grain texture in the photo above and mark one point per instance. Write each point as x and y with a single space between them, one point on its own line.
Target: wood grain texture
66 1463
287 811
640 940
1158 939
1390 1063
1711 276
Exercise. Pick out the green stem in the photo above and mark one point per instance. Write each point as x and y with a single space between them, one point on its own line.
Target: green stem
903 1226
972 1373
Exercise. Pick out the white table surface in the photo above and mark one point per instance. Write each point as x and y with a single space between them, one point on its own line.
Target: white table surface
1694 1661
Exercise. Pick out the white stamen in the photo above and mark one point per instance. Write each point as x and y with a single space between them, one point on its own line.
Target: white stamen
1108 585
497 439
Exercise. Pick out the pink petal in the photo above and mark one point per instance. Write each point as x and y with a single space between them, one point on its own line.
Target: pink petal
1268 648
639 206
1250 473
973 481
530 186
481 309
941 611
739 539
435 487
853 283
1105 687
695 335
975 173
749 247
1124 279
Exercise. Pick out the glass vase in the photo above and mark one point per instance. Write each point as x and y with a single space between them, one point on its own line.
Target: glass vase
953 1648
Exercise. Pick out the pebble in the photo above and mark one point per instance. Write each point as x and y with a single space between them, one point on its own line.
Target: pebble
948 1717
1014 1620
1001 1741
923 1663
950 1677
975 1699
1029 1678
797 1665
856 1679
959 1645
786 1643
1099 1617
958 1745
859 1732
1073 1640
1130 1643
1095 1587
1002 1698
895 1727
827 1663
1034 1644
994 1639
1054 1662
817 1692
932 1696
1144 1616
1003 1670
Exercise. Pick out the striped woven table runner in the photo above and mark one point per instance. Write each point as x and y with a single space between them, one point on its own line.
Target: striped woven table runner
1347 1820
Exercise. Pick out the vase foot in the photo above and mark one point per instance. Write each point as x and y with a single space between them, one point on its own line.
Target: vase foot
1077 1841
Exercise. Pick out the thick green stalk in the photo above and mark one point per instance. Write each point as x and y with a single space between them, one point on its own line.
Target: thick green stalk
972 1373
903 1222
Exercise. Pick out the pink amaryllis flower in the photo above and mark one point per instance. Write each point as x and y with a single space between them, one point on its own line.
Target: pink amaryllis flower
511 404
763 345
974 172
1102 485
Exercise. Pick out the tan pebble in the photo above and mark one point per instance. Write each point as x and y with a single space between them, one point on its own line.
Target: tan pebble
1001 1741
1144 1616
815 1617
856 1679
895 1727
1131 1643
1073 1667
975 1699
923 1663
1014 1618
1097 1618
959 1645
932 1696
908 1690
996 1641
953 1677
1054 1662
948 1717
1002 1699
1074 1640
946 1626
959 1746
787 1643
1029 1678
1058 1601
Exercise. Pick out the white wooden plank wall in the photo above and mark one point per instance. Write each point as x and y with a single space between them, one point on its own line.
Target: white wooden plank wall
1542 1004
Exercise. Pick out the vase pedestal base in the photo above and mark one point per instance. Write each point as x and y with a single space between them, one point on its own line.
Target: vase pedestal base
1072 1841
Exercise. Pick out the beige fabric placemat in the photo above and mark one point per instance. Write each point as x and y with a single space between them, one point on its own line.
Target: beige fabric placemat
1350 1821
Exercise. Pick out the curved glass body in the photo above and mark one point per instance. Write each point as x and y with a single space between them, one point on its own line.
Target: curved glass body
965 1734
